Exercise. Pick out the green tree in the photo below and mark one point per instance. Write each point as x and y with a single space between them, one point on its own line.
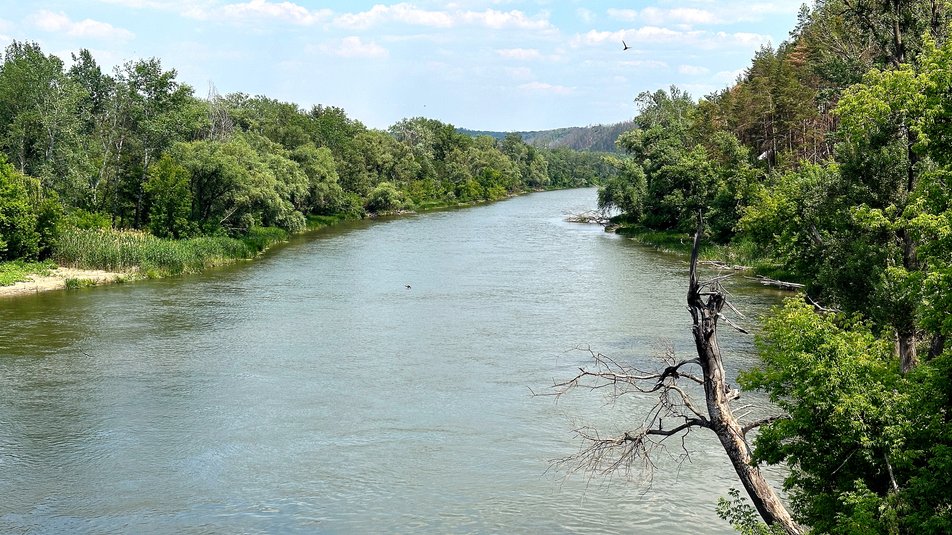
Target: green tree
385 197
18 235
170 193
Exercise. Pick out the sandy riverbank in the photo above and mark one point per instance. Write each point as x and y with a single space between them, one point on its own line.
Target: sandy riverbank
56 280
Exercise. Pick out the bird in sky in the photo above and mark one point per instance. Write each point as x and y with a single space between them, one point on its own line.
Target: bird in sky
625 45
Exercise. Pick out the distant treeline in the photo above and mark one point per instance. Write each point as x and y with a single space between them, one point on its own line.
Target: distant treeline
137 149
597 138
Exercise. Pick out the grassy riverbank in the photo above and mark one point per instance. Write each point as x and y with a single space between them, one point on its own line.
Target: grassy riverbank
110 255
741 254
132 251
21 271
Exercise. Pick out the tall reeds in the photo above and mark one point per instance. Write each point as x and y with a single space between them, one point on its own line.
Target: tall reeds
124 250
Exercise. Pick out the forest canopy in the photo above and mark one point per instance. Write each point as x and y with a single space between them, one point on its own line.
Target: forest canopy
829 161
135 149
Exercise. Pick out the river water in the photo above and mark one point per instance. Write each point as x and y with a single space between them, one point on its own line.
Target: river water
311 391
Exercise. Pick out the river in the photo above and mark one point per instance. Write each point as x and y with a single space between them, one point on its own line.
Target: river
312 391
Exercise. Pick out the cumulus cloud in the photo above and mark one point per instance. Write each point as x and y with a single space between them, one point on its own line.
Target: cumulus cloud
404 13
654 35
255 10
355 47
87 28
542 87
411 15
646 34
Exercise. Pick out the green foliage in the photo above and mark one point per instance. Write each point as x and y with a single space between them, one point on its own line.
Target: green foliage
842 392
171 199
83 219
18 233
624 192
674 174
743 517
385 197
120 251
19 270
76 284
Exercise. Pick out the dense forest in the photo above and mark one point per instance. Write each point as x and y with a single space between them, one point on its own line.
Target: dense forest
830 161
599 138
89 159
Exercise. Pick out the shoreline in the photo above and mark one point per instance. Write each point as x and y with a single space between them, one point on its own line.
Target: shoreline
62 278
57 280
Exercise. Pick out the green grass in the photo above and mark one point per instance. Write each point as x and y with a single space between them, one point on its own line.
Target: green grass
75 284
315 222
19 270
738 253
115 250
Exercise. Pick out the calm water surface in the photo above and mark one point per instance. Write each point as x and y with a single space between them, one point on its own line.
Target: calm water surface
310 391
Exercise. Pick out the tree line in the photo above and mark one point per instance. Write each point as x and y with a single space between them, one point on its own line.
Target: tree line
831 159
136 149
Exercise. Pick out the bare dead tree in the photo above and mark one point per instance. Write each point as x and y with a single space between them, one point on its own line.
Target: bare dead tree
675 413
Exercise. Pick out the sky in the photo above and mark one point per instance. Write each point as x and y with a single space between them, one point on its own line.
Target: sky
502 65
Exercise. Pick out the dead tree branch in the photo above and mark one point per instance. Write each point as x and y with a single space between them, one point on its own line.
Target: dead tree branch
674 412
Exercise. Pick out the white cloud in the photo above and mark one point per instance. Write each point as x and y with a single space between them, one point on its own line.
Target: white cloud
542 87
87 28
355 47
411 15
138 4
744 38
255 10
693 70
404 13
526 54
680 15
655 35
498 20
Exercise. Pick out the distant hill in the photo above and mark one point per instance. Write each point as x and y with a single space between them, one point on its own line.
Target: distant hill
595 138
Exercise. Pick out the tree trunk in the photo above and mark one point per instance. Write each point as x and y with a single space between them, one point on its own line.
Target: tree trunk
718 395
908 359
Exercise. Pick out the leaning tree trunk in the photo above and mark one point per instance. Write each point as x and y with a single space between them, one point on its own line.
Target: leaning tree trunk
718 395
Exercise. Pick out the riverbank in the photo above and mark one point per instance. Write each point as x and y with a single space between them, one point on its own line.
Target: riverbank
94 257
740 256
61 278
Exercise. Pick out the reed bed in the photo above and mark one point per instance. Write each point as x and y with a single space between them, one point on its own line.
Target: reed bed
124 250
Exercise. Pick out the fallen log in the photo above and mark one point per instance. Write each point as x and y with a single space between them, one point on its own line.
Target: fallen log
783 285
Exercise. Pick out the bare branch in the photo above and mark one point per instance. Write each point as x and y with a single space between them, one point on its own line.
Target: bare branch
763 421
732 324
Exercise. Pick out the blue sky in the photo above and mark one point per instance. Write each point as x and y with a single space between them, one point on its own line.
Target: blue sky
479 64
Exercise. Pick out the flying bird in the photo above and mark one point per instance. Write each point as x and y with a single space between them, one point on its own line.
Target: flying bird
625 45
